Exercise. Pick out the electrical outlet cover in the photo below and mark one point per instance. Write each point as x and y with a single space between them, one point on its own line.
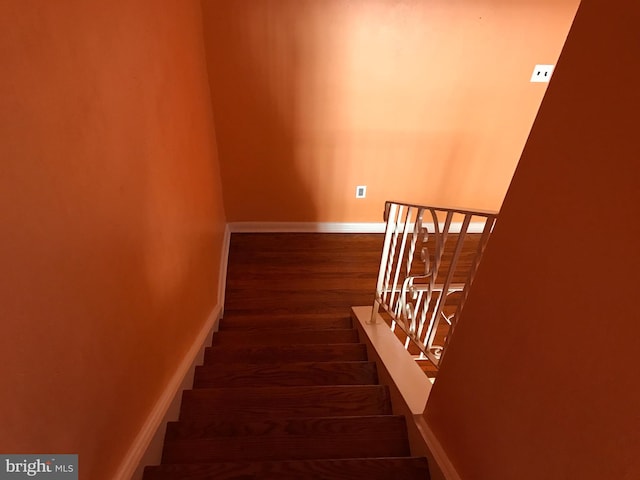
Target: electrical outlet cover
542 73
361 191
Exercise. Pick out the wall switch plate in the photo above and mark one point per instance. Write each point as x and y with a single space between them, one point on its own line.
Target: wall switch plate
361 191
542 73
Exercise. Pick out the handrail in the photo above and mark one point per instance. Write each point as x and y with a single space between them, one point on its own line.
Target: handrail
418 303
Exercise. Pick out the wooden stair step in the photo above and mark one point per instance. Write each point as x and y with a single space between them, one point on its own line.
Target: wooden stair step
296 439
277 336
307 401
285 374
335 301
231 426
285 353
406 468
298 322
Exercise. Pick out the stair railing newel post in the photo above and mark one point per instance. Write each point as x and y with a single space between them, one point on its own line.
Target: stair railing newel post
418 302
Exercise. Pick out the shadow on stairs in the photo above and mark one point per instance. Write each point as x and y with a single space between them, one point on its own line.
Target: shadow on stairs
287 397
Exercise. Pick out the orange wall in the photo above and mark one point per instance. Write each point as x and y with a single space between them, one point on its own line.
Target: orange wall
421 100
111 218
541 380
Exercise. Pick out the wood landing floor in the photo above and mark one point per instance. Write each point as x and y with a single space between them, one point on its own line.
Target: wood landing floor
322 273
301 272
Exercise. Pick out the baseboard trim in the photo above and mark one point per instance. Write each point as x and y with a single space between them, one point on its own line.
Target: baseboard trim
439 454
305 227
142 447
409 379
332 227
224 264
412 385
140 444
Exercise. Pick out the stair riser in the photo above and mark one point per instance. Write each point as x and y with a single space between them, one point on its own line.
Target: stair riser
300 374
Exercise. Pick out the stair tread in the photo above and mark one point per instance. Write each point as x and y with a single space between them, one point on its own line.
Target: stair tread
278 336
298 322
342 400
299 373
280 353
237 427
296 440
407 468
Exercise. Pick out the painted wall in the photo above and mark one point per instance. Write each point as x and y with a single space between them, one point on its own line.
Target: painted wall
111 218
420 100
541 380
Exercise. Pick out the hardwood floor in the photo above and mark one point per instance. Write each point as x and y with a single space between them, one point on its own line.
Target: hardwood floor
301 272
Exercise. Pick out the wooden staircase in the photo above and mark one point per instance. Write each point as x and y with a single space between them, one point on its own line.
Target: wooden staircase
287 397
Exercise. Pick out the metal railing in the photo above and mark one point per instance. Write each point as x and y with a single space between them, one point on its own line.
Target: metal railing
422 295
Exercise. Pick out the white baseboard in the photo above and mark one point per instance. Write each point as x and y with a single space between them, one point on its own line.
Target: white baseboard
146 448
305 227
412 385
224 263
329 227
157 418
409 379
439 455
